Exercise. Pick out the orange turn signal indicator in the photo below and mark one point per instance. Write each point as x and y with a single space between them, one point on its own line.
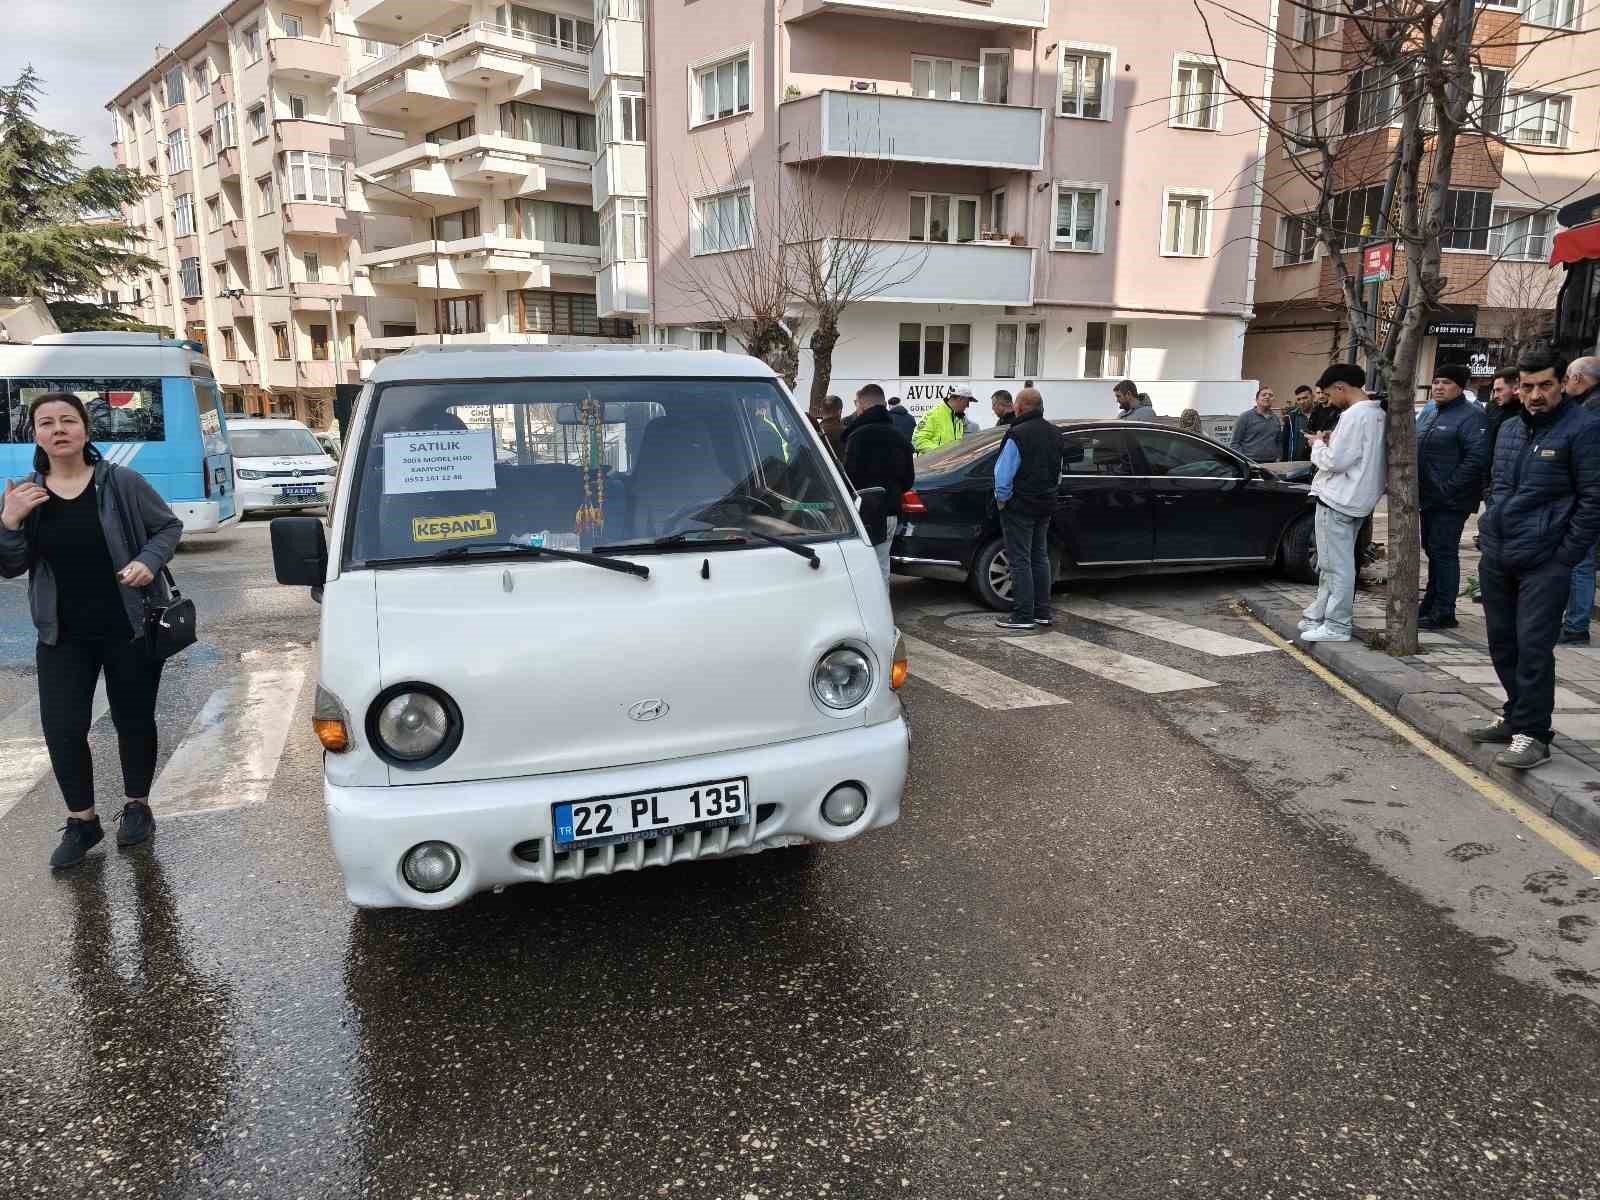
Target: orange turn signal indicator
901 667
331 732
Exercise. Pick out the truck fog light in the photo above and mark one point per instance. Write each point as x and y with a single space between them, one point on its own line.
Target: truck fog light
431 866
844 805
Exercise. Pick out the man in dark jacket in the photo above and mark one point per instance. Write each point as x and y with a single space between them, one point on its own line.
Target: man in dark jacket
1027 476
1582 387
1324 415
1543 516
1003 407
876 454
1505 402
832 424
1452 457
1296 424
904 421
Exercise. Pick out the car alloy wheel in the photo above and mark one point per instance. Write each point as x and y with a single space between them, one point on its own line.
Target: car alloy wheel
1000 575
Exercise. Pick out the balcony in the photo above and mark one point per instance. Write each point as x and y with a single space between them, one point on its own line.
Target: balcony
309 218
914 129
972 14
418 52
228 163
622 289
618 50
413 92
306 58
952 272
428 169
567 62
323 373
385 18
461 265
319 137
620 170
233 235
314 297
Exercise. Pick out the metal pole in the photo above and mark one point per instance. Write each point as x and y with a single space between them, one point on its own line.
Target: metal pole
338 362
1369 304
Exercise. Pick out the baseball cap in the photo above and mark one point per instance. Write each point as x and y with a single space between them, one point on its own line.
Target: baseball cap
962 389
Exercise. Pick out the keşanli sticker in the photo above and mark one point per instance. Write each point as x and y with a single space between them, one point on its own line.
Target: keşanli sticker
445 529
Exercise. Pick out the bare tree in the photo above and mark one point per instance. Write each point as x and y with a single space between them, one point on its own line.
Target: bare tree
1385 100
1526 293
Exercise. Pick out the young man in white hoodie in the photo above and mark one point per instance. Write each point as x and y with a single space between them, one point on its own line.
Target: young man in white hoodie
1351 470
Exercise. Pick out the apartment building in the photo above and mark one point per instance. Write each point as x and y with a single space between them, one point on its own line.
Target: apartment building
1071 197
240 123
1535 60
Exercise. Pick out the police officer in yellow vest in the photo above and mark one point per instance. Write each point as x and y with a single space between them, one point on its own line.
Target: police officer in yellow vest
944 423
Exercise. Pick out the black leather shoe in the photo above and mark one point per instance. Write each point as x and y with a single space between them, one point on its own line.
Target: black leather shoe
77 839
1431 622
135 823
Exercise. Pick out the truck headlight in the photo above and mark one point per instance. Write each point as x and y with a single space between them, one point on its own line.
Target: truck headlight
842 678
414 725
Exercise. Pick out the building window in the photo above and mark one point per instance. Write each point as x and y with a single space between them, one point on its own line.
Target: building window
311 260
452 132
722 222
213 213
1105 350
1009 338
460 314
1558 14
1317 20
546 125
572 313
250 43
722 90
177 151
1186 232
280 342
297 108
183 215
200 72
997 212
1085 75
556 29
630 121
189 277
257 116
1521 235
220 270
710 339
172 85
1466 219
1537 120
452 227
230 345
1356 215
938 350
1297 241
946 79
208 147
264 195
1080 210
630 232
315 177
149 118
227 134
553 221
273 265
941 217
319 343
291 25
1369 101
393 330
1196 95
1308 123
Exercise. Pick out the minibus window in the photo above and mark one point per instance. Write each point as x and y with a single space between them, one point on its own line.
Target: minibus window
120 409
571 464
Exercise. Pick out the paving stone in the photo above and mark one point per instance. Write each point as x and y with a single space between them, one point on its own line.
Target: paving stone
1567 700
1470 673
1583 726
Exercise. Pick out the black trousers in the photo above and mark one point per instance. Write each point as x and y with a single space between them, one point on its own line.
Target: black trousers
1522 609
68 673
1441 542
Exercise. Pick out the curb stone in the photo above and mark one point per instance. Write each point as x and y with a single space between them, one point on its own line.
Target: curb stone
1565 789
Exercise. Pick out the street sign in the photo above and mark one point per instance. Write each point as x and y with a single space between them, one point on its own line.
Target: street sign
1377 263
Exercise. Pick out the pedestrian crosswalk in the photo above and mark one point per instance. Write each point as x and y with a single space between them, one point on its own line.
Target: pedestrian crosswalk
227 758
983 685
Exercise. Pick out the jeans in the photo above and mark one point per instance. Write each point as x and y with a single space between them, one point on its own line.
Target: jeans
1336 570
1522 611
883 547
1441 542
68 672
1580 597
1028 552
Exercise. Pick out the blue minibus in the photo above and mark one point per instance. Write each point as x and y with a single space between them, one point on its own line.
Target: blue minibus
153 406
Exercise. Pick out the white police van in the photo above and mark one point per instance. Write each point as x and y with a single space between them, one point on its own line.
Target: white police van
587 611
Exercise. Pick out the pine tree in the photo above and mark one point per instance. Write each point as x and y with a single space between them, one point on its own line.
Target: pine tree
46 247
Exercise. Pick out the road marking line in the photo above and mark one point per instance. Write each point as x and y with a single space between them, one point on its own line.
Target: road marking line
1138 673
23 750
230 755
972 681
1162 629
1546 828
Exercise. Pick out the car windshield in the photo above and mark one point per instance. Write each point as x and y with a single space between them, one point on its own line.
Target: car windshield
575 464
273 443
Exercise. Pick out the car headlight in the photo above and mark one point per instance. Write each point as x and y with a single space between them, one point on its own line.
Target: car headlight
414 725
247 473
843 678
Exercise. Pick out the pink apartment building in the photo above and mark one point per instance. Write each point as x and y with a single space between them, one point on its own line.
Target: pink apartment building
1076 196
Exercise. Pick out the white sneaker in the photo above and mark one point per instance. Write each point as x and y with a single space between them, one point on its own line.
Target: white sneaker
1307 623
1323 634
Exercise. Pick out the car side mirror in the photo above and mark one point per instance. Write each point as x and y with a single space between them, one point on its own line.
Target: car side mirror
873 504
299 551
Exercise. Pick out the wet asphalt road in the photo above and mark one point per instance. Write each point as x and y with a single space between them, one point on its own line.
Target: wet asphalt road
1239 941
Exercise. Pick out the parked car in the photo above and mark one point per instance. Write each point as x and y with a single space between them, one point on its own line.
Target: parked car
1135 499
278 464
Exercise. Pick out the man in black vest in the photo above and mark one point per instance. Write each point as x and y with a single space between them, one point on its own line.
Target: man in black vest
1025 481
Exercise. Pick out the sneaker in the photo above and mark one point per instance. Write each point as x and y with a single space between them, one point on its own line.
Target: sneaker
135 823
77 839
1571 637
1013 623
1431 622
1307 623
1044 622
1525 751
1323 634
1498 733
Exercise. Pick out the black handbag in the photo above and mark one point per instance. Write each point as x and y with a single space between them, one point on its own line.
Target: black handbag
169 624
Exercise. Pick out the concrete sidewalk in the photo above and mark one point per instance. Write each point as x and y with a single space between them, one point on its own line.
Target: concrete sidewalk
1450 686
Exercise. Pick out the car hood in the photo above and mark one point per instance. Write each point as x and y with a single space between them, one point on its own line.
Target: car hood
311 464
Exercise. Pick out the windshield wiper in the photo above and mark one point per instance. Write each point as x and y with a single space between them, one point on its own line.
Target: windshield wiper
594 560
724 537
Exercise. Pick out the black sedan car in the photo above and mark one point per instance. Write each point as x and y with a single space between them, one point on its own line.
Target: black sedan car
1135 499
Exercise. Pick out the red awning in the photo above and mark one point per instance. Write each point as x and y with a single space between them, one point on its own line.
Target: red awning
1576 245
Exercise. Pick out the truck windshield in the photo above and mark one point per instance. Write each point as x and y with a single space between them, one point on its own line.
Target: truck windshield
574 464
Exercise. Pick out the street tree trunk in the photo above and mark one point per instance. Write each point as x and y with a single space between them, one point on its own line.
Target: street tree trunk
823 339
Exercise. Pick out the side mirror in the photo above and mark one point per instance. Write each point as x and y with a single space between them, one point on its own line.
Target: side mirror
873 505
299 551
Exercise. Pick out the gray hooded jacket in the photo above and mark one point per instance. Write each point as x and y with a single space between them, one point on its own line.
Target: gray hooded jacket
127 502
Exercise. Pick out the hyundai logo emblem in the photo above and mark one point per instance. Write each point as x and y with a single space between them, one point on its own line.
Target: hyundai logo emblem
648 710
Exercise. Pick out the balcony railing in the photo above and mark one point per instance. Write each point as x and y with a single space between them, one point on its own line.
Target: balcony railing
918 129
429 47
